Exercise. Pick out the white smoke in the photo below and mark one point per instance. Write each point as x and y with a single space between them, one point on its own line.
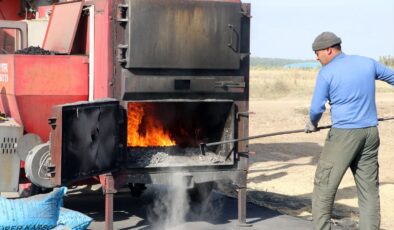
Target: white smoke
171 206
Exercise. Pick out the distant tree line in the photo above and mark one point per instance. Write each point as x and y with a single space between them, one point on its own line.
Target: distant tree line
281 62
387 60
274 62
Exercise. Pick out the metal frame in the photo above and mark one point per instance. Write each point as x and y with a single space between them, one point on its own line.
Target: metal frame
21 26
226 84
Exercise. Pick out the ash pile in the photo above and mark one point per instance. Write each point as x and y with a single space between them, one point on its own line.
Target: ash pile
35 50
140 157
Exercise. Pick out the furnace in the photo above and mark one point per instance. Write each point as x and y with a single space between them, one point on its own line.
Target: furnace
136 88
168 133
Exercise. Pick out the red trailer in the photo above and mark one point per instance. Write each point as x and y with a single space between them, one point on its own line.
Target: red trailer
127 90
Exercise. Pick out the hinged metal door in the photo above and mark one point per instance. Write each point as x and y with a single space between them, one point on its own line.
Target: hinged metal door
86 140
178 34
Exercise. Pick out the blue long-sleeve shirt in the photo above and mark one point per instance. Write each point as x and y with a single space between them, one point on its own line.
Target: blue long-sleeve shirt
348 83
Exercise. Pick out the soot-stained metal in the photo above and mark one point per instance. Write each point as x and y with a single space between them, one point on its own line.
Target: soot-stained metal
168 33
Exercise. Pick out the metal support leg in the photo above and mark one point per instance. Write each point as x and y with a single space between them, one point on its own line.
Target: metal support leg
241 188
109 190
242 208
242 205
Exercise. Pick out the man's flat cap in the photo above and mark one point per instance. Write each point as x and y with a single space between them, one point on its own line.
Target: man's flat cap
325 40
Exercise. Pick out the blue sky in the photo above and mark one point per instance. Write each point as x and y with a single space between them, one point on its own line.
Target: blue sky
286 28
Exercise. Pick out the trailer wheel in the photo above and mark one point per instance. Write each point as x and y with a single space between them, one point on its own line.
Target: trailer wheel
136 189
200 192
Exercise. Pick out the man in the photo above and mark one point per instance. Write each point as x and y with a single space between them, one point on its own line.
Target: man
347 82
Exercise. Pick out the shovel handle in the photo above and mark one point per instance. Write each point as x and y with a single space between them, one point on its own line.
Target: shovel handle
204 145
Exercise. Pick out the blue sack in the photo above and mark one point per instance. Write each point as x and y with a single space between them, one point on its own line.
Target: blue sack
36 212
73 220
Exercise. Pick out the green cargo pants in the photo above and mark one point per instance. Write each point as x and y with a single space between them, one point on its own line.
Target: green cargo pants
344 148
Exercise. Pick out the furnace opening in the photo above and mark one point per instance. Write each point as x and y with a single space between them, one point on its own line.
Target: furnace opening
146 127
164 134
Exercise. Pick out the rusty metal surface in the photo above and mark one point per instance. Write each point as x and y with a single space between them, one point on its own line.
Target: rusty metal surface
243 121
10 132
243 103
109 191
183 34
62 27
56 136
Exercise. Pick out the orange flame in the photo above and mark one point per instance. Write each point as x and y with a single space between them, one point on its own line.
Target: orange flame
144 130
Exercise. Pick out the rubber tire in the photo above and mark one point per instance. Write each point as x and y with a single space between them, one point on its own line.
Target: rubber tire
136 189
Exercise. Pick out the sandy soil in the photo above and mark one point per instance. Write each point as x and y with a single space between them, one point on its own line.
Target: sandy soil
282 169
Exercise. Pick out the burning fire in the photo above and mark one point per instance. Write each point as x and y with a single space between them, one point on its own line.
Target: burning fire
144 130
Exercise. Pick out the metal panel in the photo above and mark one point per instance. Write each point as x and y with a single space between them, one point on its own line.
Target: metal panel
8 103
9 10
36 30
10 132
20 26
37 90
166 177
103 64
86 140
168 84
29 88
65 16
183 34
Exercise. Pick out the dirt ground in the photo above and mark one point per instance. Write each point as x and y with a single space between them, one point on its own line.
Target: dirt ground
282 168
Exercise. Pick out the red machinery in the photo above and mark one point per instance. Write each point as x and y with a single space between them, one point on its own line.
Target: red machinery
134 88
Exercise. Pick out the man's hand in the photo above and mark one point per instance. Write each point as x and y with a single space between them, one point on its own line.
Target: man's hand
310 127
